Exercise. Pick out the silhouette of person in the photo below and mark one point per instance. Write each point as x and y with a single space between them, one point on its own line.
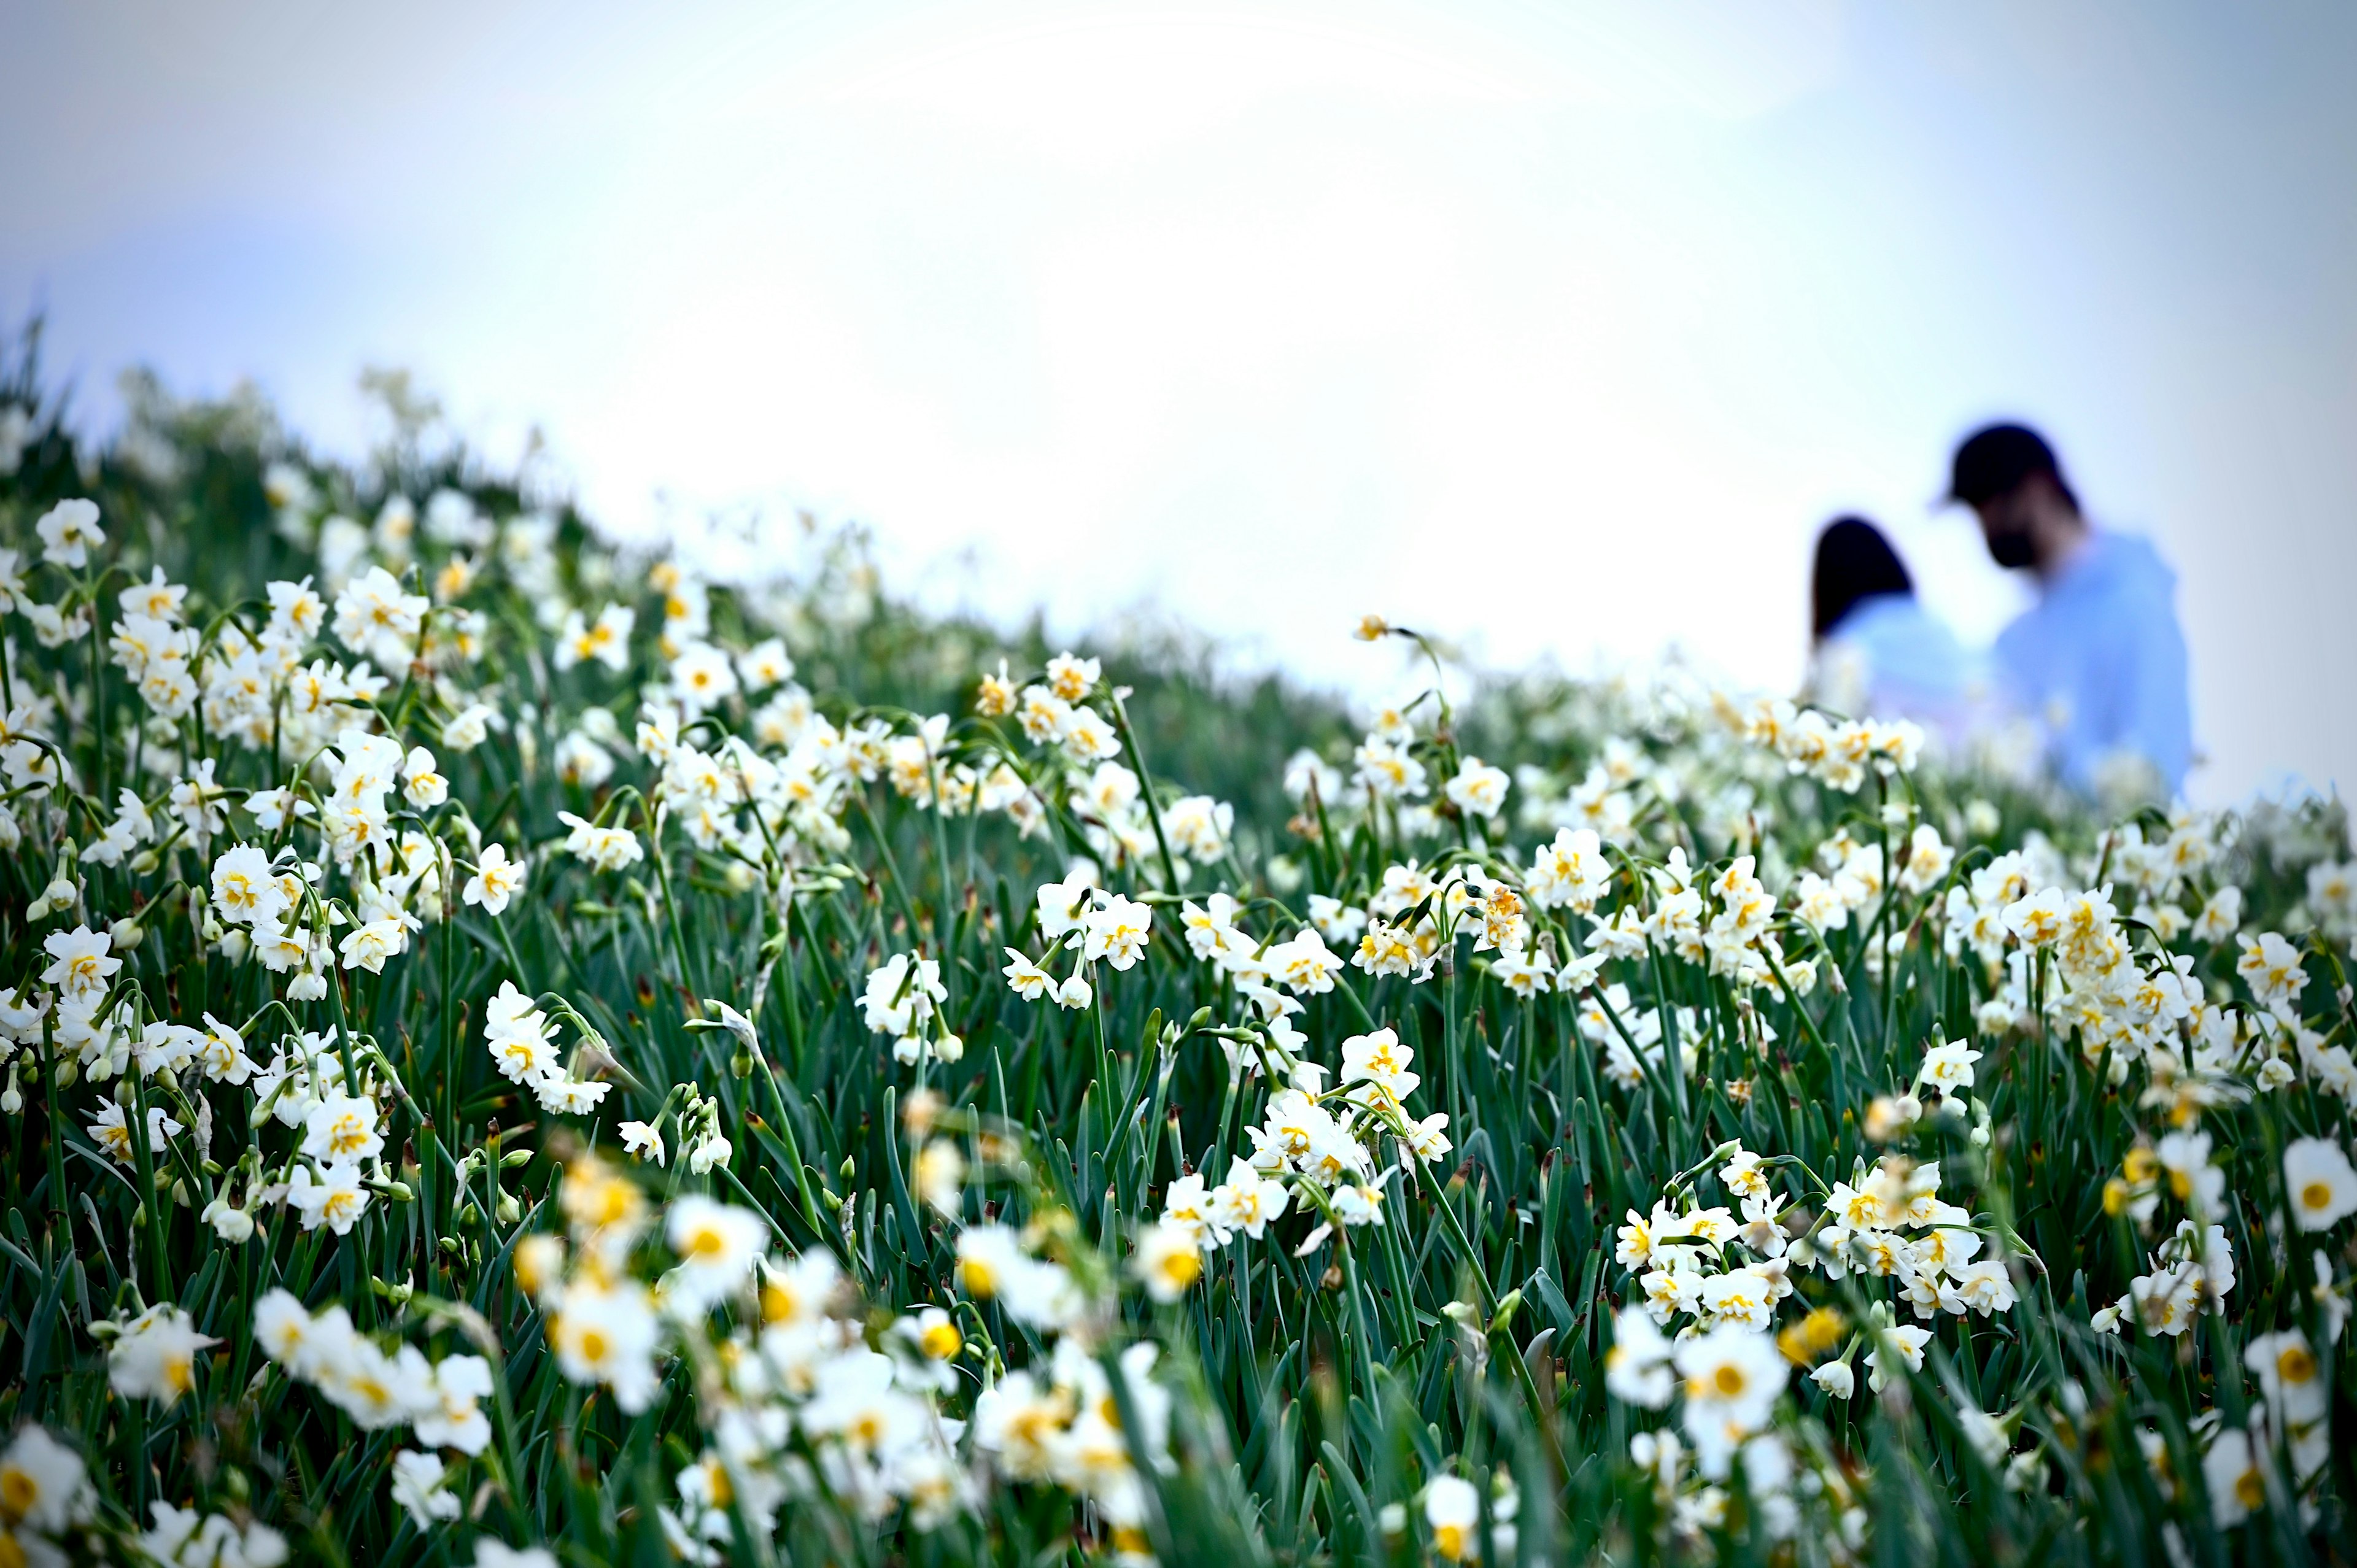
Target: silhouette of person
1875 648
2099 661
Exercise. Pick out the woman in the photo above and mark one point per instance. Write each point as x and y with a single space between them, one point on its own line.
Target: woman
1876 650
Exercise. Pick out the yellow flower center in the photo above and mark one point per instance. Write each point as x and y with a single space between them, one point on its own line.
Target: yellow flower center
18 1493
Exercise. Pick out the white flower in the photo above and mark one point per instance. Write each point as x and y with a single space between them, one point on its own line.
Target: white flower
1906 1343
2290 1375
44 1484
1636 1368
939 1176
333 1197
608 1335
489 1554
417 1488
1118 932
607 849
1950 1067
374 618
468 727
717 1244
497 879
1167 1260
1733 1376
2322 1187
246 886
643 1139
1379 1058
69 532
230 1223
709 1150
1027 979
342 1127
1835 1379
83 964
111 1133
1478 790
369 944
1452 1511
153 1356
2231 1473
452 1415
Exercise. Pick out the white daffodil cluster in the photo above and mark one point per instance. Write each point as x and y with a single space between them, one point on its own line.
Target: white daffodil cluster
1094 926
334 887
903 1001
521 1039
1073 716
378 1388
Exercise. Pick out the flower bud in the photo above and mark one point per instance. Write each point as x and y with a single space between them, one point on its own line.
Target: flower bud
126 934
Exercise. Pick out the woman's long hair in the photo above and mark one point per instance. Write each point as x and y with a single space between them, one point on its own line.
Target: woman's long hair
1854 563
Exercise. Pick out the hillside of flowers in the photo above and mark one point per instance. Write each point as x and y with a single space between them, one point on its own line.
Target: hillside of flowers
518 1051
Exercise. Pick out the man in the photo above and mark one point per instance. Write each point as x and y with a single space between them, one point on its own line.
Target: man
2099 659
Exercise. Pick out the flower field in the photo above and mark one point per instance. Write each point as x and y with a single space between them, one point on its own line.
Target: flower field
516 1053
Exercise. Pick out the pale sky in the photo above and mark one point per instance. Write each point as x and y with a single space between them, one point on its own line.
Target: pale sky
1555 328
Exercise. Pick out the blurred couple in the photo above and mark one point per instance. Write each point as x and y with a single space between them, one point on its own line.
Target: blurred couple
2094 673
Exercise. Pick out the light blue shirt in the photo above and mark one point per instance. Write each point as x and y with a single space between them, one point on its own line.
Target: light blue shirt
1908 664
2099 662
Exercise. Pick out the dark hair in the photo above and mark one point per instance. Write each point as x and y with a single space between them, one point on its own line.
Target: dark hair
1999 460
1854 563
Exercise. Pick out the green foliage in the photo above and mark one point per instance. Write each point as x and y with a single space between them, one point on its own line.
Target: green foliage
1317 1393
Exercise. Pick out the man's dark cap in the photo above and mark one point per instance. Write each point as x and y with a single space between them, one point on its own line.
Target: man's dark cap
1997 459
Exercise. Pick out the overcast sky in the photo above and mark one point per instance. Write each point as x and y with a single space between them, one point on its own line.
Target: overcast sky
1557 329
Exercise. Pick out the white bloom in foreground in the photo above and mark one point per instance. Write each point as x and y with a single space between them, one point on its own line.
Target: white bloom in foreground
1733 1376
153 1356
44 1485
608 1335
83 964
489 1554
1636 1368
2322 1187
717 1245
186 1539
417 1488
2237 1486
1169 1259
